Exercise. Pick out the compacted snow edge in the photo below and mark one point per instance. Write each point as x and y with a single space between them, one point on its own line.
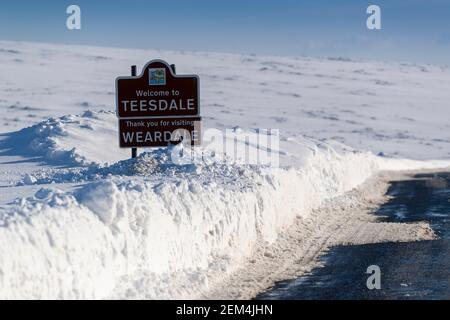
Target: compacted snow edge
86 243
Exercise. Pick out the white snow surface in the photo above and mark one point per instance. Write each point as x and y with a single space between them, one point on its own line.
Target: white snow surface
398 109
143 233
80 220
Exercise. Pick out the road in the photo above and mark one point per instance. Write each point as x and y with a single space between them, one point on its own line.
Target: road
411 270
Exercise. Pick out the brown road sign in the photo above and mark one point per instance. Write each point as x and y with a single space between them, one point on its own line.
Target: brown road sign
159 132
157 92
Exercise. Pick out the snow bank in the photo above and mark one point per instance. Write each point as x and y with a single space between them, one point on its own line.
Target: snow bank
86 244
151 229
62 141
148 228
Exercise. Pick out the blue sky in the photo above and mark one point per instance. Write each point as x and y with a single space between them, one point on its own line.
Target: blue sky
412 30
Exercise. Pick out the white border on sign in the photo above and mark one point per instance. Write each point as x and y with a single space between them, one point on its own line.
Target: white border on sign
174 75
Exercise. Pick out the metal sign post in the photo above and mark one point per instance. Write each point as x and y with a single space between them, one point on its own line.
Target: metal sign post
133 150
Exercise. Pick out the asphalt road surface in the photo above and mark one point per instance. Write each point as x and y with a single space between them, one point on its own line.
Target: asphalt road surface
414 270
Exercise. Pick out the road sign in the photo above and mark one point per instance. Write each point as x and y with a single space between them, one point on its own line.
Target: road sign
158 107
157 92
159 132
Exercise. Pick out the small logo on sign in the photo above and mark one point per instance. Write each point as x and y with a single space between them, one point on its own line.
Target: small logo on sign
157 76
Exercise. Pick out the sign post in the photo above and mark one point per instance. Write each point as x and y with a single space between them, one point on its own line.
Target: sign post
157 108
133 150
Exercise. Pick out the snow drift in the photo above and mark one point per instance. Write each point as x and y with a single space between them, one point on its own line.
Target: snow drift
71 140
163 237
89 240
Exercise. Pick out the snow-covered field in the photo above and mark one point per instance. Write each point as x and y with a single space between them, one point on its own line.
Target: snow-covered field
79 219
